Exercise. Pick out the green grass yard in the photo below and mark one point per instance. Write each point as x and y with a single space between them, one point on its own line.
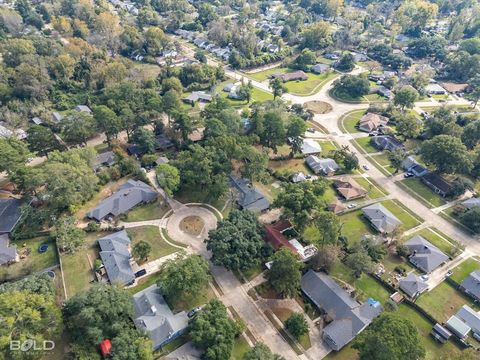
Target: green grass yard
422 192
311 85
151 235
283 314
375 191
365 145
327 147
151 211
350 121
440 240
355 225
464 269
240 348
266 74
408 219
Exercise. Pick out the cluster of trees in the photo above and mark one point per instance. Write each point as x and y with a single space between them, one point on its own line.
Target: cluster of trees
352 86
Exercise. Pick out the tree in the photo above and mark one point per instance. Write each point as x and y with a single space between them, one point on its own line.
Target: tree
474 94
141 250
168 178
77 127
408 126
184 124
145 140
41 140
276 84
471 134
171 102
27 315
297 325
244 92
255 164
261 352
346 63
403 251
471 219
447 153
346 158
200 56
406 97
274 132
105 312
184 277
352 85
300 201
284 275
413 15
390 337
329 228
107 121
459 186
13 154
326 257
213 331
396 158
237 241
316 37
296 133
360 263
306 58
69 238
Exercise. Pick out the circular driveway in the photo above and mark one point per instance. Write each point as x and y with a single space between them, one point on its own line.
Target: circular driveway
173 225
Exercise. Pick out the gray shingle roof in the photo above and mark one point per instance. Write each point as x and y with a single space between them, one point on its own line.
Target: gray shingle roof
104 159
472 202
387 142
310 146
470 317
248 196
9 214
323 166
153 316
7 253
425 255
472 284
350 317
412 285
115 255
129 195
381 218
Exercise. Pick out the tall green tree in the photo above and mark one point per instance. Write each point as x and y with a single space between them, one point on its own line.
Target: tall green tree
168 178
77 127
405 97
68 236
284 275
107 121
277 86
296 134
13 154
145 140
408 126
274 132
297 325
41 140
329 228
141 250
261 352
255 164
447 153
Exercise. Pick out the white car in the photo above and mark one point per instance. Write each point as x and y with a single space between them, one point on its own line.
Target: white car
366 167
424 277
351 206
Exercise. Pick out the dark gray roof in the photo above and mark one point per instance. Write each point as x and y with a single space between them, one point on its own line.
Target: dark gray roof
9 214
425 255
249 197
412 285
153 316
319 68
472 284
7 253
442 331
129 195
115 255
163 142
470 317
472 202
387 142
323 166
381 218
350 317
104 159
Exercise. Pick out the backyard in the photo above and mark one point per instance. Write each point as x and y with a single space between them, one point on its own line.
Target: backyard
354 225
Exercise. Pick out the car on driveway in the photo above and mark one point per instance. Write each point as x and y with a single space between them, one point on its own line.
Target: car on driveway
449 273
193 312
408 175
312 130
351 206
424 277
366 167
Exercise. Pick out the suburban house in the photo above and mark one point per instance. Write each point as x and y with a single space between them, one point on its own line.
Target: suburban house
198 96
83 108
8 254
471 203
336 207
459 328
320 68
129 195
470 317
381 218
105 159
386 142
325 167
424 255
299 177
438 184
311 147
134 150
411 165
274 235
9 214
471 285
292 76
349 189
440 333
116 258
412 285
350 317
454 88
154 317
383 91
435 89
248 197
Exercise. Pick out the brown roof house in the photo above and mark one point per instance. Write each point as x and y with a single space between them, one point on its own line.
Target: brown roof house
349 189
292 76
370 122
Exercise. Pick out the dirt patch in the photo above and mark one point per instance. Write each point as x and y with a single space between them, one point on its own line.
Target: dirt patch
319 107
192 225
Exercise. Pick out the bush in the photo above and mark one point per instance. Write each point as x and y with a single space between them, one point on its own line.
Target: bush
401 270
92 226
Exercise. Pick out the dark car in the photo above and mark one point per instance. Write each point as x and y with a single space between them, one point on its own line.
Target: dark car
408 175
193 312
140 273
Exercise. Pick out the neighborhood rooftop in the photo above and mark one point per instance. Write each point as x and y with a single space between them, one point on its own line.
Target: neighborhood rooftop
381 218
115 255
425 255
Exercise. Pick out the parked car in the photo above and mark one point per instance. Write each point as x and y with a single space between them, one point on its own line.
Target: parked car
351 206
193 312
312 130
424 277
408 175
449 273
366 167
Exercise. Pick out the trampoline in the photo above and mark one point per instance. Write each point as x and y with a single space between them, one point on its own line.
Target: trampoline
42 248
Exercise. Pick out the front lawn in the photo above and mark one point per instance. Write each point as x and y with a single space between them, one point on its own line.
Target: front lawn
261 95
350 121
464 269
266 74
422 192
327 147
240 348
444 301
283 314
151 235
365 145
374 190
382 162
354 225
313 84
408 219
293 165
32 261
151 211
